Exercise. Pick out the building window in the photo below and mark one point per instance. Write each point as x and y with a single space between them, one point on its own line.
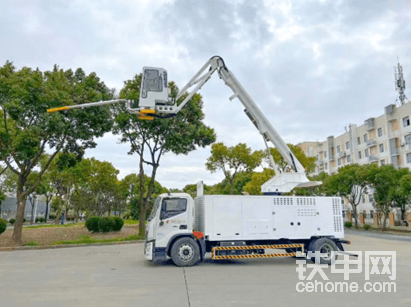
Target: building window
338 149
339 161
382 162
363 199
408 139
348 159
365 138
342 200
343 213
359 155
364 214
381 147
325 154
372 214
379 132
326 166
366 153
359 140
347 146
371 198
406 121
409 157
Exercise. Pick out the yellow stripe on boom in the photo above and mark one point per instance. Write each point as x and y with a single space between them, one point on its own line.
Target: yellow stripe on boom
57 109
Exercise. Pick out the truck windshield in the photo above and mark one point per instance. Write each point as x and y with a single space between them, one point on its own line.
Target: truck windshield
172 207
154 210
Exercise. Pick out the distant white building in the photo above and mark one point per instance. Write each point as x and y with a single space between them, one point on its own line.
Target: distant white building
382 140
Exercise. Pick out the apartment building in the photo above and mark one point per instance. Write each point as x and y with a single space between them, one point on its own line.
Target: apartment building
382 140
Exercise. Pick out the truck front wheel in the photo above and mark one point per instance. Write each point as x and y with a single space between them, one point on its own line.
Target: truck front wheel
185 252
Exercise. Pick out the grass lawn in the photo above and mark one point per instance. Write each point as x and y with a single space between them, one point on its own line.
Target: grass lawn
69 234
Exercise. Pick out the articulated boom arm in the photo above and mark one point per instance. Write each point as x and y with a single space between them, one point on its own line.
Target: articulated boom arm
155 101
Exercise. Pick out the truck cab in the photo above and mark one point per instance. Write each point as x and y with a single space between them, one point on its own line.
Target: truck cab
172 217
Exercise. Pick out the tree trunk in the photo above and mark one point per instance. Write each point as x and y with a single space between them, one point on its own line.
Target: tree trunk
384 223
354 215
142 215
21 205
47 211
33 218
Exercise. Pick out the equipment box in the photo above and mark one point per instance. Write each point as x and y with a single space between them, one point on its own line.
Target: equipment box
228 217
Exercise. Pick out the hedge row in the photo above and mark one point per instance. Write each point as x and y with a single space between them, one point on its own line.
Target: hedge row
104 224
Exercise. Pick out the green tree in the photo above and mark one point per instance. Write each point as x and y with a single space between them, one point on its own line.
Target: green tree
350 182
385 181
307 162
257 180
232 160
403 198
150 140
320 190
132 181
26 130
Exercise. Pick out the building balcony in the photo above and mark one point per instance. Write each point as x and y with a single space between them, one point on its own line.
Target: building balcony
371 143
394 152
369 124
372 159
341 154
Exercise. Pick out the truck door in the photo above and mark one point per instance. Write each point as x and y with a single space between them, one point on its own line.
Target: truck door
173 219
283 218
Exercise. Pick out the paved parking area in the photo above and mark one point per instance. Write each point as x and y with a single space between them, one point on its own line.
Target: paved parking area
119 276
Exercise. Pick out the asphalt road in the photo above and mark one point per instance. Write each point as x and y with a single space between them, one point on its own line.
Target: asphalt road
380 235
119 276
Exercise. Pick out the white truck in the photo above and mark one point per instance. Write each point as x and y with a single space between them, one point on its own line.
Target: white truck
227 226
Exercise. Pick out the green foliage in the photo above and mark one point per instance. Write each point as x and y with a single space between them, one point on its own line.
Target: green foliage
348 224
366 227
88 240
26 130
92 224
257 179
180 135
118 223
3 225
32 243
40 220
386 184
307 162
106 224
233 160
12 221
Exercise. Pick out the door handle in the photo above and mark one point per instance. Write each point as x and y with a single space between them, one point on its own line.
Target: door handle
292 223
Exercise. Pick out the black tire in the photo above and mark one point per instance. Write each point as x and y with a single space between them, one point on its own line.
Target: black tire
185 252
325 246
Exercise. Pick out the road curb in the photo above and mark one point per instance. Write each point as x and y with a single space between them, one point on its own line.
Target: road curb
10 249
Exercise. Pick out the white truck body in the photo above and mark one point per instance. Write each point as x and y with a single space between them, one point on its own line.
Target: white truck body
245 218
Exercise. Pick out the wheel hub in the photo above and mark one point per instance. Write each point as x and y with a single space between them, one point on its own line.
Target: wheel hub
185 252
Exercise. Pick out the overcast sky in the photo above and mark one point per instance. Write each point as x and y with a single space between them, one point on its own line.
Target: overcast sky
312 67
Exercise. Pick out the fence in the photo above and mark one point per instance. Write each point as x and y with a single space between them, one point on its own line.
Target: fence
9 208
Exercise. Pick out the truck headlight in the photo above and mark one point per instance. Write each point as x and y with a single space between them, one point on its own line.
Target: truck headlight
148 250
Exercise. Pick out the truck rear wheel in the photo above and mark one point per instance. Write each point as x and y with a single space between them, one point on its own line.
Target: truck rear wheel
324 246
185 252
